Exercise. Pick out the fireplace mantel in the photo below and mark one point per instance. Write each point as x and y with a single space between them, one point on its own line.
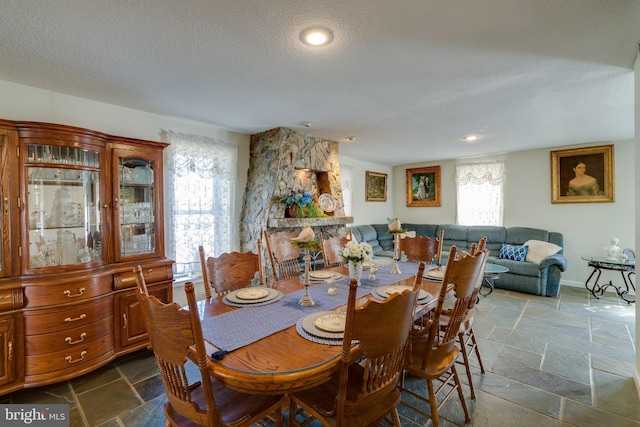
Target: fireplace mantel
313 222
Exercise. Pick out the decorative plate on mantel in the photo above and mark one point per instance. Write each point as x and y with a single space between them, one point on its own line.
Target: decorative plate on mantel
327 202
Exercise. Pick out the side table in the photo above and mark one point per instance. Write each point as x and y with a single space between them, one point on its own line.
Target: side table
626 269
491 273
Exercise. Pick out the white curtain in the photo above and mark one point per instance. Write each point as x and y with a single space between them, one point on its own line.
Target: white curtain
346 177
480 193
200 188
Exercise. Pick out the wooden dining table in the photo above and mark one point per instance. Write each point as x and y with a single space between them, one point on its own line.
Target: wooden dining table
285 362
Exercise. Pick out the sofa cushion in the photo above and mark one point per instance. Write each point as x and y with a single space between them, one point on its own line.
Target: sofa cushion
514 252
428 230
538 250
519 235
385 240
495 236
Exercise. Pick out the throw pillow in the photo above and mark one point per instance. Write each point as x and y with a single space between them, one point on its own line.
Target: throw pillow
538 250
513 252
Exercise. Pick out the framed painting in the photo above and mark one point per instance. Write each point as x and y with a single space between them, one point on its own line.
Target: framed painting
423 186
376 187
582 175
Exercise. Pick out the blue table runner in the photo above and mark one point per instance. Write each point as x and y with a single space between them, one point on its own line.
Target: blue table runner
235 329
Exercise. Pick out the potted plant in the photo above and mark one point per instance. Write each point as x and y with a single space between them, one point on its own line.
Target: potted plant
300 204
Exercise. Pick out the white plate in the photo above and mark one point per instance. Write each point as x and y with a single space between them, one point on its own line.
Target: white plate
309 325
317 280
327 202
436 274
385 291
251 295
367 265
321 275
333 322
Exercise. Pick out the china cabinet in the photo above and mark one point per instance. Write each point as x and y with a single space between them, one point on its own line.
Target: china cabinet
81 209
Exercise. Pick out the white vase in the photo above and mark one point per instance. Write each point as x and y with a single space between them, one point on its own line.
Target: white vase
355 270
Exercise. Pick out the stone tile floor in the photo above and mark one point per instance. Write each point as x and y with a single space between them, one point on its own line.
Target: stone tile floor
563 361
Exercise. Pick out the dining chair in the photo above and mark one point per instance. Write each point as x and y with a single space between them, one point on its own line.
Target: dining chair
283 254
432 356
194 396
466 336
365 390
231 270
332 250
422 248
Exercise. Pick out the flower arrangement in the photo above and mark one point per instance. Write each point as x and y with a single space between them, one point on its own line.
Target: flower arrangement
296 198
357 251
301 204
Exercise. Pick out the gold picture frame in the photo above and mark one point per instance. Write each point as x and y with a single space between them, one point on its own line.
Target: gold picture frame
582 175
423 187
376 184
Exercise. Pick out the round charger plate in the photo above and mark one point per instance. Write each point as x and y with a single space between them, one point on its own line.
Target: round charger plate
385 291
251 295
309 325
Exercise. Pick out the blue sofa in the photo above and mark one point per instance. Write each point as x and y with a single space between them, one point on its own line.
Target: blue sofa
537 279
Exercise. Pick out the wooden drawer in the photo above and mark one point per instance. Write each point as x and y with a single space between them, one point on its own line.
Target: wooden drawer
152 274
72 359
39 295
69 339
45 321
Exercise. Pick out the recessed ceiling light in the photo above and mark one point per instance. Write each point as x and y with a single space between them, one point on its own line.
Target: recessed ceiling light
470 137
306 124
318 36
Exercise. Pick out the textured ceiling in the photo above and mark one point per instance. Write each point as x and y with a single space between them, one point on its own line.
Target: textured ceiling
407 78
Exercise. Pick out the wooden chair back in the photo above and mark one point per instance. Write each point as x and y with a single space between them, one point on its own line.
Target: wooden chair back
230 271
173 331
283 254
421 248
332 250
462 277
382 330
140 281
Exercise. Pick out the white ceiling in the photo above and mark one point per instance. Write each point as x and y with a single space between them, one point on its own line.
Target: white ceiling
408 78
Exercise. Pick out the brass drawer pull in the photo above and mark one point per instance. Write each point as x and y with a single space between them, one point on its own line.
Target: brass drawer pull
70 358
70 340
80 292
10 351
69 319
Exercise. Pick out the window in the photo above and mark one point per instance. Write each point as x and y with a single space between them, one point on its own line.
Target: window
480 193
346 176
199 199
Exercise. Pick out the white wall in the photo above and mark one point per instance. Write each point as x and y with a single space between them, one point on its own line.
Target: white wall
364 212
25 103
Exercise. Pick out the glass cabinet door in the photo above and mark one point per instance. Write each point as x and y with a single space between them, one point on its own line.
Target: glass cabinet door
136 207
63 206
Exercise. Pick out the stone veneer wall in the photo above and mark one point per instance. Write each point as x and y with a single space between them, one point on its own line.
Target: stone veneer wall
282 159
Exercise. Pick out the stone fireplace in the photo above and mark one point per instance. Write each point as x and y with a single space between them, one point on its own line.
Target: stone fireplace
281 160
